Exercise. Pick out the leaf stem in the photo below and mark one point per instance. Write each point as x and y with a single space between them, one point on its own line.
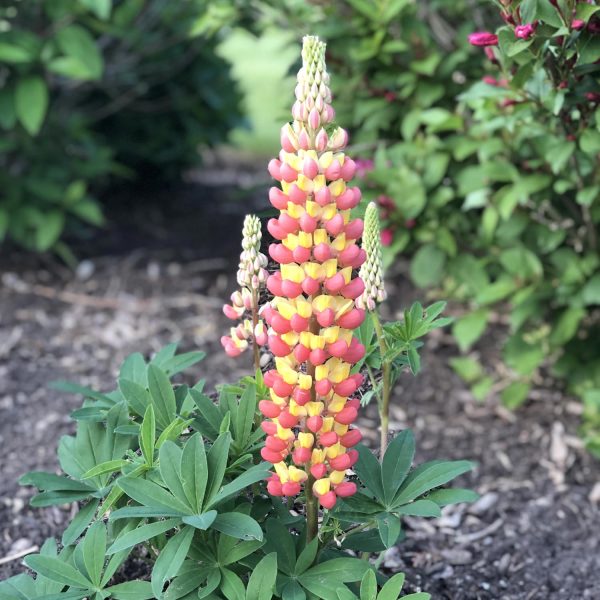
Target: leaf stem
384 407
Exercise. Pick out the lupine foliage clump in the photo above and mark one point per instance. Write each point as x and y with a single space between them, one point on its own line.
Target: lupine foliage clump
182 480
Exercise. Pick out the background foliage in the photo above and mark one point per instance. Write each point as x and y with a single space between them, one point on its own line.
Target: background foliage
486 168
91 89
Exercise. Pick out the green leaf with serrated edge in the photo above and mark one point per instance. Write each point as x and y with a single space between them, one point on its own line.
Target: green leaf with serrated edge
420 508
392 588
452 496
368 586
253 475
110 466
169 457
231 585
57 570
142 534
292 591
261 584
152 495
428 476
279 540
162 396
131 590
170 559
323 579
94 550
238 525
396 463
79 523
307 557
389 527
194 471
217 463
147 435
369 472
203 521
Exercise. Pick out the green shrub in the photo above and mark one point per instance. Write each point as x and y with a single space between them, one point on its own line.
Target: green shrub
92 89
488 176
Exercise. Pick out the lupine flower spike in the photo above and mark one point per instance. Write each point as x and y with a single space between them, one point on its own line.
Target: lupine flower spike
371 273
251 277
311 317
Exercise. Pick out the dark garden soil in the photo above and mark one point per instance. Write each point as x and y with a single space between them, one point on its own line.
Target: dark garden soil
149 280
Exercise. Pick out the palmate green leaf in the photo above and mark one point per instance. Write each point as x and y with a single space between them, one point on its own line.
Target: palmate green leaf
392 587
142 534
58 497
253 475
190 579
452 496
368 586
261 584
170 459
292 591
428 476
243 417
202 521
55 569
52 482
238 525
131 590
217 463
136 396
86 392
324 579
134 369
421 508
280 541
180 362
170 559
194 471
147 435
231 585
307 557
366 541
369 472
152 496
162 395
110 466
396 463
232 550
79 523
208 418
165 354
94 549
172 431
389 527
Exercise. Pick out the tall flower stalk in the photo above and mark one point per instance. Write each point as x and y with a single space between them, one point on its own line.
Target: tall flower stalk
251 277
312 315
374 293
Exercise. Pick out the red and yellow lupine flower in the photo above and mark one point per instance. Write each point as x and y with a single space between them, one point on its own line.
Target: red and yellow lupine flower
313 313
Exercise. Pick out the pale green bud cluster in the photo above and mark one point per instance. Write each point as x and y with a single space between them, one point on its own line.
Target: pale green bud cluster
252 268
371 272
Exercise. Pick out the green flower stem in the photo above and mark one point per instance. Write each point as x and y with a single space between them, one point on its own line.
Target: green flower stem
386 370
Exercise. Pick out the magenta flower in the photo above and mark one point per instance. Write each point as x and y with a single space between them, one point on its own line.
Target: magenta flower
524 32
483 38
577 24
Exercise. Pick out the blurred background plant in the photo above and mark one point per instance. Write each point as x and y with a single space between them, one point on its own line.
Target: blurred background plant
98 89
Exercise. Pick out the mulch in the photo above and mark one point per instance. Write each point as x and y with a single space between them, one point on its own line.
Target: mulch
151 279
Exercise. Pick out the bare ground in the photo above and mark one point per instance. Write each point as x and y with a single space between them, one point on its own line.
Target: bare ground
148 281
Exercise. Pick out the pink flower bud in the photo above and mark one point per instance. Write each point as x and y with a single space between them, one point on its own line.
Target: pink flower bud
328 500
288 174
269 409
315 423
278 347
323 386
328 439
387 237
314 119
351 438
354 289
323 196
271 456
318 471
278 199
321 140
301 254
274 168
577 24
483 38
524 32
345 489
310 168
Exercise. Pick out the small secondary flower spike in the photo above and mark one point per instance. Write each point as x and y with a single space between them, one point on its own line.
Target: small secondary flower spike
312 315
371 271
251 276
